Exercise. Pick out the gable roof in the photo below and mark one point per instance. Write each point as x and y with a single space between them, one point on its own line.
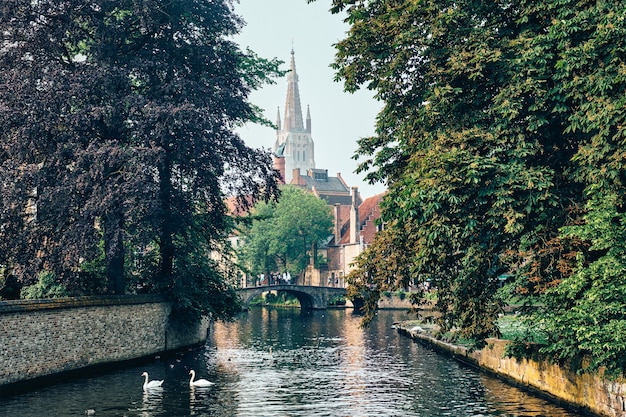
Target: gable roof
333 190
239 206
319 180
369 212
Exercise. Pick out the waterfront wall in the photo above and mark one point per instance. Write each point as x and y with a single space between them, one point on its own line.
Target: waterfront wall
40 338
393 302
589 392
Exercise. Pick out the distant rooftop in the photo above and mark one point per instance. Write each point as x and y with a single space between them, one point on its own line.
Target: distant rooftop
333 190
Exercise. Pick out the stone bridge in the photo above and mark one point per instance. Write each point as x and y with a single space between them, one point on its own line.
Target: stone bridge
310 297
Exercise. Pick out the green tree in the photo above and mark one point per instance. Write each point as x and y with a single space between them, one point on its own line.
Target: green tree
117 137
502 142
46 287
585 314
282 234
257 251
466 142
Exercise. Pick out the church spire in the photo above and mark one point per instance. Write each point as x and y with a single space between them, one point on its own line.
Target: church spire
278 118
293 109
308 119
294 149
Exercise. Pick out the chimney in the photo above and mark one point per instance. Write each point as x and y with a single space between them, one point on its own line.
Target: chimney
341 179
354 216
279 165
295 178
337 223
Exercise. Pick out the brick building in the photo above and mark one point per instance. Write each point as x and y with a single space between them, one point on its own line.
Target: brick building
354 218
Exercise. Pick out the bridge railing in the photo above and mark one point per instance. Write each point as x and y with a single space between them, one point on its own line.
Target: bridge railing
289 285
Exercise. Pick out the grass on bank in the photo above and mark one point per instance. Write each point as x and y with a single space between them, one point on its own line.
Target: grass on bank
279 299
512 327
285 299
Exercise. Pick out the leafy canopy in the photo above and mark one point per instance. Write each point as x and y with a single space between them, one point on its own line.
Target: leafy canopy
283 234
501 140
117 142
464 142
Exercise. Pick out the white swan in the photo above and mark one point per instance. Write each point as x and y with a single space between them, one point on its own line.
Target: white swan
199 382
151 384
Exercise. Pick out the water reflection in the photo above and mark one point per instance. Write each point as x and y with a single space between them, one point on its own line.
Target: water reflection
296 364
152 402
199 400
511 401
323 363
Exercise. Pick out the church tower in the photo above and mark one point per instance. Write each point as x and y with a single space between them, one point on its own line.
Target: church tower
293 136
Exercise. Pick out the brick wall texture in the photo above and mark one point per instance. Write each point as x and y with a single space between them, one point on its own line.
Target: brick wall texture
44 337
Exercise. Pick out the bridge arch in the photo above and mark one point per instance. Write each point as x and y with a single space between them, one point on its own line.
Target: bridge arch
310 297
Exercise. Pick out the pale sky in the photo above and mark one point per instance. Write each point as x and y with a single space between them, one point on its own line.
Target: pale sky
338 119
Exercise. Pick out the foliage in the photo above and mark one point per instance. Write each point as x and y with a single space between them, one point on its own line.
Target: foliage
337 301
501 140
281 299
204 290
9 287
45 287
117 134
466 177
282 234
585 315
521 327
258 250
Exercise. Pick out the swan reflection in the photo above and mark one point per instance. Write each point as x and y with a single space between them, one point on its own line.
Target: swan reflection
152 402
199 400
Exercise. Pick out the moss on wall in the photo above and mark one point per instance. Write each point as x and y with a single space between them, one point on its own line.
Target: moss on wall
589 392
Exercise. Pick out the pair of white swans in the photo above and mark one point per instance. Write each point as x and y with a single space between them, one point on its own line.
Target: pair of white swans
157 383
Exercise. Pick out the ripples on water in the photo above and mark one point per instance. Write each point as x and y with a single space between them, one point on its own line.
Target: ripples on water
294 364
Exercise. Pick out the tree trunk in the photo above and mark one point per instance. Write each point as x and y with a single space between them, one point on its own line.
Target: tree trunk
114 251
166 237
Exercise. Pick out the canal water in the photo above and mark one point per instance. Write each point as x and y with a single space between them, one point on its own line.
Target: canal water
292 363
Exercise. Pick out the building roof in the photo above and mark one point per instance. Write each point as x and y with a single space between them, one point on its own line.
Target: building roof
331 200
239 206
333 190
369 212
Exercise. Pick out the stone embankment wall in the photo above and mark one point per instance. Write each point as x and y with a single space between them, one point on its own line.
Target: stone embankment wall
393 301
588 392
39 338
